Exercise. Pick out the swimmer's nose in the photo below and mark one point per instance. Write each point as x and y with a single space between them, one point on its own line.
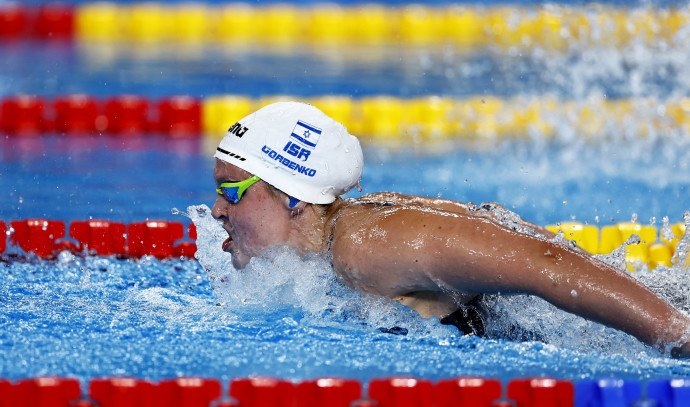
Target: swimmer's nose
216 211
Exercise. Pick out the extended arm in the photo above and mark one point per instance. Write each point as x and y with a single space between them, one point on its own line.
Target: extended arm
404 249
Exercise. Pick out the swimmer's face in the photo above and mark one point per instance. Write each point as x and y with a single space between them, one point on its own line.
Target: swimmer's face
258 221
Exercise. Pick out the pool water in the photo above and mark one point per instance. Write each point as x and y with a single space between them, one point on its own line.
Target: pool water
545 182
290 317
287 316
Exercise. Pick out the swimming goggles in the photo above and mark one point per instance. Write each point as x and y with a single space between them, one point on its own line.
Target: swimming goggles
232 191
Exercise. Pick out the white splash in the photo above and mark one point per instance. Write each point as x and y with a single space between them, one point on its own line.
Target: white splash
282 281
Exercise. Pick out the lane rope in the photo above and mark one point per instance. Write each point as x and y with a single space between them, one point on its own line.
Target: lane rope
556 27
165 239
380 118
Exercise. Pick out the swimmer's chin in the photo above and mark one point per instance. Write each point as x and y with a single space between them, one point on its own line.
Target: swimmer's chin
237 261
239 265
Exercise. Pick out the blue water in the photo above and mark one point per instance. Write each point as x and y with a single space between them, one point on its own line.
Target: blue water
107 178
90 317
104 69
289 317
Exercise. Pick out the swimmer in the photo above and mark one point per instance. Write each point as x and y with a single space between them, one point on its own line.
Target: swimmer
280 172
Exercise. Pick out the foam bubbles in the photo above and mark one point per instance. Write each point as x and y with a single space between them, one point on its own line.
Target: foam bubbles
283 282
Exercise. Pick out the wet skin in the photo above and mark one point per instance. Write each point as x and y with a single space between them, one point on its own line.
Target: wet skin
433 254
259 220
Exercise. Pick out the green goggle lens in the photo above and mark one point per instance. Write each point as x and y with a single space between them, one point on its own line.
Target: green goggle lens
232 191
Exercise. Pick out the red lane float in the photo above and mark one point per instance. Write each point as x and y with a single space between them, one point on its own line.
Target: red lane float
541 392
6 390
46 392
187 392
179 116
262 392
269 392
467 391
54 21
332 392
187 249
12 21
127 114
44 238
22 115
76 114
153 238
122 392
3 240
37 236
402 392
100 237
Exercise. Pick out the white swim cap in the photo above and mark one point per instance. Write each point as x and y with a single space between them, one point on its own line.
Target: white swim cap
296 148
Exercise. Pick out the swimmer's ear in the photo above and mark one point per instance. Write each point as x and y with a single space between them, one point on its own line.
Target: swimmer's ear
296 206
292 202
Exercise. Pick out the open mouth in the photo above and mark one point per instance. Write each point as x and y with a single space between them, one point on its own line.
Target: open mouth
227 244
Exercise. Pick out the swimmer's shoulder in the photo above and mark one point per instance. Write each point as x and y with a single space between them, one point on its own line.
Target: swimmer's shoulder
381 198
353 226
394 198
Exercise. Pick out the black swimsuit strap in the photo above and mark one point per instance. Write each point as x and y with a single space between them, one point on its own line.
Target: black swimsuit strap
467 319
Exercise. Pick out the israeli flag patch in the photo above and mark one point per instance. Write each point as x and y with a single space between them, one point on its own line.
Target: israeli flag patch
306 134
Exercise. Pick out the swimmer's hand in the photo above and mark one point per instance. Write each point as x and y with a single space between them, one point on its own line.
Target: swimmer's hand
681 352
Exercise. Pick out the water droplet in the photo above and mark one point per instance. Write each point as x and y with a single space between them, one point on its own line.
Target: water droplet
573 293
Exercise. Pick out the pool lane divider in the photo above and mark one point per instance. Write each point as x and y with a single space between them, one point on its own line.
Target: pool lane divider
50 21
79 114
164 239
46 238
551 27
341 392
378 118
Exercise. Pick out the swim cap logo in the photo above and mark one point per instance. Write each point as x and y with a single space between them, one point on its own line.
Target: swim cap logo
299 169
237 129
303 140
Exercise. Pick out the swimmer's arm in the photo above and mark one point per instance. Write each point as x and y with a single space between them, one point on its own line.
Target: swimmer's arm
413 251
569 279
